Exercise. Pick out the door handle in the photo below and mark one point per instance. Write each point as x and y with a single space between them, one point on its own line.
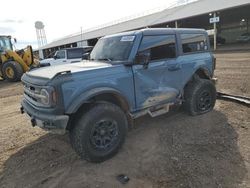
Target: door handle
174 67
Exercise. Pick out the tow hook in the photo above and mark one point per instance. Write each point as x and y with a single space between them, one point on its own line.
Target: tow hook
33 122
21 109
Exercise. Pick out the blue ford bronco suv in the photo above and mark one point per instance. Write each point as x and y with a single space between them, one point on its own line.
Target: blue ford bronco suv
127 75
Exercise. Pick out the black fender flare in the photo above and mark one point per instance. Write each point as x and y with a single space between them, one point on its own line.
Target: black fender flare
206 73
86 98
201 71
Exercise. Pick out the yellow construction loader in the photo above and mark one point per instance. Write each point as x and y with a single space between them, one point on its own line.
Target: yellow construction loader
14 63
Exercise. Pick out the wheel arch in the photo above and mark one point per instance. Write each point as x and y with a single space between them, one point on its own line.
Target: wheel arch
15 57
203 73
200 72
83 103
99 94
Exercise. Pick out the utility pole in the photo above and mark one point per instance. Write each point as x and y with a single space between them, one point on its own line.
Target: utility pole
176 24
215 32
81 37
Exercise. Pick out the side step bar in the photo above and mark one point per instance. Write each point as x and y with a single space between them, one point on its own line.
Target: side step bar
159 111
154 111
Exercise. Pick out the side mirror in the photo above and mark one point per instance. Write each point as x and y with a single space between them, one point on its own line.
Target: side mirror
55 57
86 56
143 58
15 40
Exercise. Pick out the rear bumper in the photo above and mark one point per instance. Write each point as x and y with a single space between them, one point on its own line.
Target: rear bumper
50 122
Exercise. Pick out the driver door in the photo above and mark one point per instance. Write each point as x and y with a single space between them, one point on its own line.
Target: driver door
60 58
158 81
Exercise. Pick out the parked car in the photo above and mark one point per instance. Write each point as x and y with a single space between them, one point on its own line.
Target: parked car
244 38
128 75
66 56
219 40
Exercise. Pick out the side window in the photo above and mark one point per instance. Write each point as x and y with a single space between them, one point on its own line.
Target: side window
159 47
75 53
1 46
60 54
193 43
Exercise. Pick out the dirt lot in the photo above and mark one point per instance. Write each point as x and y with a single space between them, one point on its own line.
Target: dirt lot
211 150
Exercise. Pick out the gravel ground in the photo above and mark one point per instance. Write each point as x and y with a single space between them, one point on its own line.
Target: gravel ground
174 150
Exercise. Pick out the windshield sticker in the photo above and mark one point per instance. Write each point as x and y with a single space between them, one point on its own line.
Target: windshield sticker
127 38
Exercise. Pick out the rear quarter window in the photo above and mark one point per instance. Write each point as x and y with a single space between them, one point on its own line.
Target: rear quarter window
75 53
194 43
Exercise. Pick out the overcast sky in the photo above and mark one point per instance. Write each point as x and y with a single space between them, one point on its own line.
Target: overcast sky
62 18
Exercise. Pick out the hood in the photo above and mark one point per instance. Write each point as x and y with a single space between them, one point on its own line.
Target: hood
51 71
45 61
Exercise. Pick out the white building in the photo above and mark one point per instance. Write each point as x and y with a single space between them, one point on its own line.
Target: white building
234 17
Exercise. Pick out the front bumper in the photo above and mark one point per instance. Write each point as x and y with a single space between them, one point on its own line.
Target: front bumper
50 122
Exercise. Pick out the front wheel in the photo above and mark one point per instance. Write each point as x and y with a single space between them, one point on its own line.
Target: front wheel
199 96
100 132
12 71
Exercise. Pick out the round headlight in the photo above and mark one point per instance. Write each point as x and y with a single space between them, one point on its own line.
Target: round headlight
45 96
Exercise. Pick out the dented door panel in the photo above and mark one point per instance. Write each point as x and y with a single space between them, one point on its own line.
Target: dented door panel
156 84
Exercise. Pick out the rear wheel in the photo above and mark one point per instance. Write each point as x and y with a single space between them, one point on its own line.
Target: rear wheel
12 71
100 132
200 96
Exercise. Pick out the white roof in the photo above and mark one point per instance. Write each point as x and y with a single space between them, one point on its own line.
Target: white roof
167 15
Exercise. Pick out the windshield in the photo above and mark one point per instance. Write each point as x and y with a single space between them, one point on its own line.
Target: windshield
113 48
5 44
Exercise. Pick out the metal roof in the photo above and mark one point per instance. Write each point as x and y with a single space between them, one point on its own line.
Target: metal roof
158 31
167 15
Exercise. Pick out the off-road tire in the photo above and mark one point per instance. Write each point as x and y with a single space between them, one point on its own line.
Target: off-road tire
81 133
15 67
194 94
